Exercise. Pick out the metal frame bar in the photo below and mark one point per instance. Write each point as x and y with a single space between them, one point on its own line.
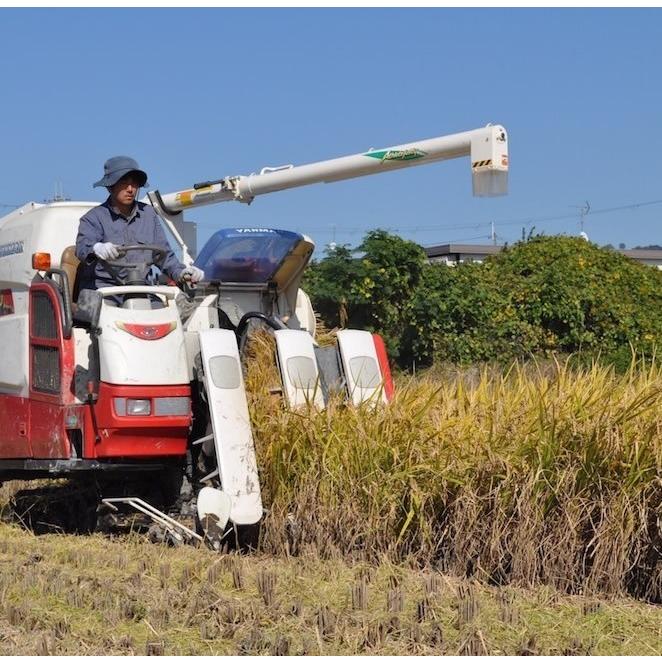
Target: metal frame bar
172 525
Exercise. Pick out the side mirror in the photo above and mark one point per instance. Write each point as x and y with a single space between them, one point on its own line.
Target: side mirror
88 309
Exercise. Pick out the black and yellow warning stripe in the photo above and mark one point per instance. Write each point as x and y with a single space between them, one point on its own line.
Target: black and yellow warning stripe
479 164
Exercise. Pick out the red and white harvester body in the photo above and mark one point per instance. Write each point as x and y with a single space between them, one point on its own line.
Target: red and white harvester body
119 387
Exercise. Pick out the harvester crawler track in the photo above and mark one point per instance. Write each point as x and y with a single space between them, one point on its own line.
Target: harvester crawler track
64 507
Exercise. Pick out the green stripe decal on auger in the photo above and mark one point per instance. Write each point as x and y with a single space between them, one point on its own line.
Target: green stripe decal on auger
397 154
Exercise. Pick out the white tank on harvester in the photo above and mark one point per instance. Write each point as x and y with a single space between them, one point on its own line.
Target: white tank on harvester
133 398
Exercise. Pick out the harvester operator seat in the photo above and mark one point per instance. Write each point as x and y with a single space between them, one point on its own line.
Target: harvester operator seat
71 265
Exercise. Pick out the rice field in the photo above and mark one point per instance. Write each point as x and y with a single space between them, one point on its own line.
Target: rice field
495 511
92 595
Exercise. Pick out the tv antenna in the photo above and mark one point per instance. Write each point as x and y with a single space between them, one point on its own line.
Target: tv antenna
59 194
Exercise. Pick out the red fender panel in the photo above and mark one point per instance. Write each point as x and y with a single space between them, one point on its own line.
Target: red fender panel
384 367
125 436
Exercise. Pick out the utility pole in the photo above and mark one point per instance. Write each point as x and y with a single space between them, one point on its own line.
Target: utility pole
583 212
493 235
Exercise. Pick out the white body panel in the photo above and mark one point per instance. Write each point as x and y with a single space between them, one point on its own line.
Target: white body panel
86 364
298 368
205 316
235 302
37 228
305 315
233 437
361 366
126 359
14 363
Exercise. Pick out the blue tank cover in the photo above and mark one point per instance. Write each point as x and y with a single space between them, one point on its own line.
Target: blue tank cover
246 255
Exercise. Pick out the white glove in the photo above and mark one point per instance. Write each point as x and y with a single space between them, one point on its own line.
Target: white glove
192 273
106 251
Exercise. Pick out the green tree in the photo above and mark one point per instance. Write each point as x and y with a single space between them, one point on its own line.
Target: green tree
581 297
329 283
371 292
390 271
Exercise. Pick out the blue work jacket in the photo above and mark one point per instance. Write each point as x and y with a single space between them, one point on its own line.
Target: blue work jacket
143 226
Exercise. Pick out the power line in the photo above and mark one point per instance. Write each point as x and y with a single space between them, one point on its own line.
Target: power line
584 212
530 220
456 240
526 221
634 205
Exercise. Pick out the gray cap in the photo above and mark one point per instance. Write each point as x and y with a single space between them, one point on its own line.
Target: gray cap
116 167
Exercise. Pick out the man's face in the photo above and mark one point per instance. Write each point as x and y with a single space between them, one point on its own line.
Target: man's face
125 190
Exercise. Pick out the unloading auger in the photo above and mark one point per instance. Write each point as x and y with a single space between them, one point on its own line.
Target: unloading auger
486 147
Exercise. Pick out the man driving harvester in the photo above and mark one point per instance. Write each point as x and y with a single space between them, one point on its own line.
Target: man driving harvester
122 220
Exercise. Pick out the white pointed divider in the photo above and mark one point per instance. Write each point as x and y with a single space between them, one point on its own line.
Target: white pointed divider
298 368
214 508
233 437
360 363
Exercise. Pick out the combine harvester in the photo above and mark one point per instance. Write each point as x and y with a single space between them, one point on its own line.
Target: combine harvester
133 399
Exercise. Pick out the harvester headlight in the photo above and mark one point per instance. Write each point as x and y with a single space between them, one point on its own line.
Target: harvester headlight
138 407
166 406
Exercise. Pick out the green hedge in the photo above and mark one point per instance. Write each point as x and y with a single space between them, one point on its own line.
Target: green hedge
544 295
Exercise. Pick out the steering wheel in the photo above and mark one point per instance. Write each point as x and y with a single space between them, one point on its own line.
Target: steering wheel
137 270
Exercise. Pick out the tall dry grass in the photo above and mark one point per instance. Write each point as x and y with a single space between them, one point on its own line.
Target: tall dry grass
542 473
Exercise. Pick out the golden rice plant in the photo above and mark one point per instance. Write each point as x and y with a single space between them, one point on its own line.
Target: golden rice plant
542 472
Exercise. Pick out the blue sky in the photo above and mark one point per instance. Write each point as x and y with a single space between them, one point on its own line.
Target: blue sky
196 94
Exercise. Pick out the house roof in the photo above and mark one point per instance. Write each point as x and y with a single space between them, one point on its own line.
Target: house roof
489 249
467 249
643 253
